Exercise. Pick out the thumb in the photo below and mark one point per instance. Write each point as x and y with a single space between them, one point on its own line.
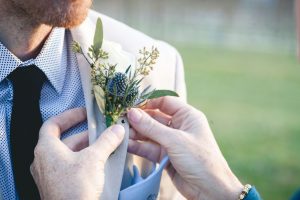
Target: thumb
150 128
108 141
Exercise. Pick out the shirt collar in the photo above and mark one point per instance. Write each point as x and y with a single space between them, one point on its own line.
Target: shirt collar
52 59
8 62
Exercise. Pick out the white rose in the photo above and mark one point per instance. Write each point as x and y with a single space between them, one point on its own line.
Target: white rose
118 56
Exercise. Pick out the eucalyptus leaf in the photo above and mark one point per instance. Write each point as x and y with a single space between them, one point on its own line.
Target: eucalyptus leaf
129 74
100 97
98 37
161 93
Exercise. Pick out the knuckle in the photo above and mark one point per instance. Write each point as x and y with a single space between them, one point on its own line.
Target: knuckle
198 113
201 115
32 169
39 150
149 124
88 153
174 139
93 156
100 164
110 138
50 124
45 125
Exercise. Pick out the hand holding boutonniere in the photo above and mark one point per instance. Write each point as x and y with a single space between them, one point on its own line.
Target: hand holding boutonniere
116 87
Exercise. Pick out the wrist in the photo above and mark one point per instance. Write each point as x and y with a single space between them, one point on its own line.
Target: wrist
222 191
232 188
234 191
228 189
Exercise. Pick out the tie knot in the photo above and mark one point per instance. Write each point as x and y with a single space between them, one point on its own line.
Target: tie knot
27 75
27 81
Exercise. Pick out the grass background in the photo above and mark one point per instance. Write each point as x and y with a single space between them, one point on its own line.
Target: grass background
252 101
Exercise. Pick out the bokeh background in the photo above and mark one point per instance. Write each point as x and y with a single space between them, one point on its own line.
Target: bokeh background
242 71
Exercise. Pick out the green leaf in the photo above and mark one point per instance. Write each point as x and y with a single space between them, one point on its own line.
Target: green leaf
138 82
161 93
145 90
98 37
127 70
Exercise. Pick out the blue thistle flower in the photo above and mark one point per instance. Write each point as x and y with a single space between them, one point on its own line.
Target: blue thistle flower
117 85
132 96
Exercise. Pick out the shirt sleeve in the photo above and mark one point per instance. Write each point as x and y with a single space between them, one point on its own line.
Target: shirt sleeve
253 195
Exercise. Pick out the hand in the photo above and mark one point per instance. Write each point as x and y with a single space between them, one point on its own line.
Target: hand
197 166
71 171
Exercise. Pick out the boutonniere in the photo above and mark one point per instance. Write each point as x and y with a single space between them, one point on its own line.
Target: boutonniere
116 87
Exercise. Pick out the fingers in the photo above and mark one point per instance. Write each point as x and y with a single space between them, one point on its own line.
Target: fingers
150 128
56 125
149 150
77 142
134 135
108 142
155 114
168 105
159 116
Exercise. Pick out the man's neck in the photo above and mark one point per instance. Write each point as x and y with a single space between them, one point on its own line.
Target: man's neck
20 33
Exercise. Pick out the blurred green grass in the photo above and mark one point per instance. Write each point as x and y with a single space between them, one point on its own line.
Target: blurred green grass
252 101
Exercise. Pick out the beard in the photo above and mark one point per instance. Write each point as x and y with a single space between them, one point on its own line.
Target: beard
56 13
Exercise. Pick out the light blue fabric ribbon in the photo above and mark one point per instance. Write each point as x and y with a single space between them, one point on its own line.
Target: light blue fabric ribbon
145 188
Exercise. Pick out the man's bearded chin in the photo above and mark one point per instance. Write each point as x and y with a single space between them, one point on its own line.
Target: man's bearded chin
56 13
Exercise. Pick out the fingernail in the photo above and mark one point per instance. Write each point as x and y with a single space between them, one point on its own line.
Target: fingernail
118 130
135 115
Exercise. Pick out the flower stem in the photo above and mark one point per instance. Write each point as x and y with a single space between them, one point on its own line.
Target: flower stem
109 120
